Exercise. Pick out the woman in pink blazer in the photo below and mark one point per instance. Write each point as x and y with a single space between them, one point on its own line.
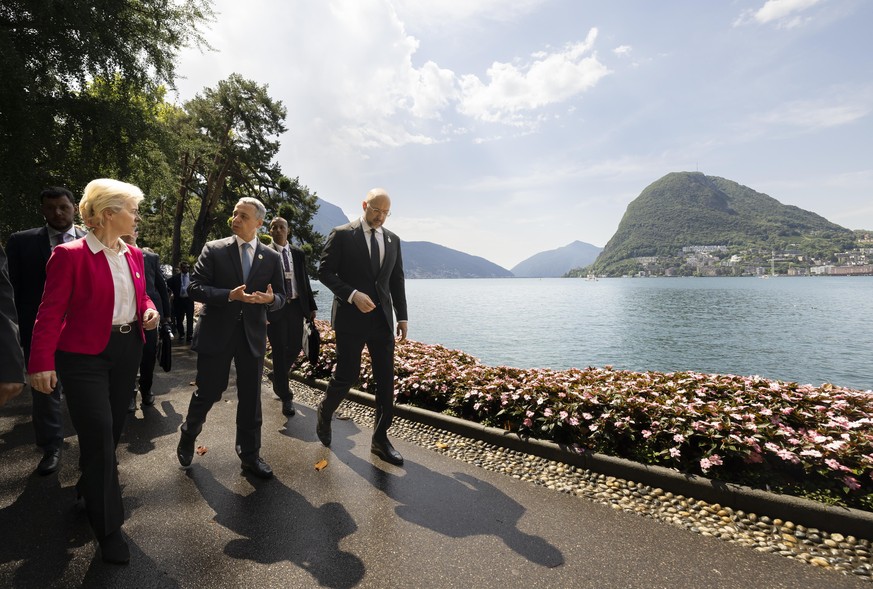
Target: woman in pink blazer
89 332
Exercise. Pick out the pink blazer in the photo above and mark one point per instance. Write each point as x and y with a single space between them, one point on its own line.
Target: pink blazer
75 314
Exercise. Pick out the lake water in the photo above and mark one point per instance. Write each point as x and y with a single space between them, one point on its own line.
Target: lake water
809 330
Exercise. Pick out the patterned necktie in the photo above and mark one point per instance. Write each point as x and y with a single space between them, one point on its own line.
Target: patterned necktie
374 253
246 259
289 284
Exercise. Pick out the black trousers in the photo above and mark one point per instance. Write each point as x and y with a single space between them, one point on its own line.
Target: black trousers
48 423
213 373
349 347
286 340
97 389
183 312
147 364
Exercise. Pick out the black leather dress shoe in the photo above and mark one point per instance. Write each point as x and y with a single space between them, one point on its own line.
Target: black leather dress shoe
131 407
148 399
322 427
113 548
185 449
288 408
51 462
258 467
386 452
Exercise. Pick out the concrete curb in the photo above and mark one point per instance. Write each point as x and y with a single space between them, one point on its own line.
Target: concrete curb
813 514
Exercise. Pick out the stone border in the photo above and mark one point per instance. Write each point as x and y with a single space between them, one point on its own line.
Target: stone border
807 512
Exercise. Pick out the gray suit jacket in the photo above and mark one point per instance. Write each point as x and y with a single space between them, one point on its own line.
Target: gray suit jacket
345 267
218 271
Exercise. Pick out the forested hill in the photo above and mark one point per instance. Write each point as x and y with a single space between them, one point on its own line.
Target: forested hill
688 209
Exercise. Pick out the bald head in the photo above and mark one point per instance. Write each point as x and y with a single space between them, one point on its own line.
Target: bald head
377 207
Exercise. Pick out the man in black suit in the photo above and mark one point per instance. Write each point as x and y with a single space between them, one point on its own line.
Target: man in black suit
362 266
28 253
156 288
285 329
12 367
239 279
183 305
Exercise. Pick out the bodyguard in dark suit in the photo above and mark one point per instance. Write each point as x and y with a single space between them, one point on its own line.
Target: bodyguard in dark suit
183 305
12 367
286 325
28 252
362 266
156 288
239 279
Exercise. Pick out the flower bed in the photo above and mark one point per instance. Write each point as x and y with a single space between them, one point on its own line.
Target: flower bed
815 442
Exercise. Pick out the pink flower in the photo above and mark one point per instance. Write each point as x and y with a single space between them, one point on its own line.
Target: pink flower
574 421
678 438
527 422
851 482
563 415
646 434
675 452
705 464
548 412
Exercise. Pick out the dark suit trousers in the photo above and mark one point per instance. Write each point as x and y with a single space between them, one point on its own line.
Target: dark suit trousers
147 364
213 373
97 389
286 340
46 415
183 311
349 346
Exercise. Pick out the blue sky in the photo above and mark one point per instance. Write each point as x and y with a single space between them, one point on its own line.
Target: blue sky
503 129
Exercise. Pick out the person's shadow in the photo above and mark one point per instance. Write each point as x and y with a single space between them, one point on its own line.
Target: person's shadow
456 506
297 532
140 433
40 530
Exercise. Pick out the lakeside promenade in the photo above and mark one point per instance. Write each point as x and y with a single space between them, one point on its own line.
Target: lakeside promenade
359 522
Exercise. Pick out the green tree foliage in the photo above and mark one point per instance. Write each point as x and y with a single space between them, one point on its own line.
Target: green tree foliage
52 50
688 208
238 125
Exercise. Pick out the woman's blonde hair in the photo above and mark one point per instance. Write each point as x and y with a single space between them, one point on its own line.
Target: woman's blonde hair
105 194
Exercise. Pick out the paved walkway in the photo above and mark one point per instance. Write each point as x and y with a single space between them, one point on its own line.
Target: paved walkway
359 522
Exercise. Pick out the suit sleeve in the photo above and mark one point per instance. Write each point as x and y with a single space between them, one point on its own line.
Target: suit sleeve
203 278
397 285
330 263
12 367
145 301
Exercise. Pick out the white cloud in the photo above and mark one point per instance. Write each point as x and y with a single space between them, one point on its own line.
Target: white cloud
622 50
549 79
817 114
781 12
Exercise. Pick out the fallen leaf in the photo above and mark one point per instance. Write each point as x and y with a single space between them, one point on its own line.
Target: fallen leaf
341 417
321 464
201 450
442 445
193 383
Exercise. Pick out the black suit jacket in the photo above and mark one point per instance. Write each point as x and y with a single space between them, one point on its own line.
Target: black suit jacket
301 282
28 252
345 267
156 286
175 284
218 271
12 366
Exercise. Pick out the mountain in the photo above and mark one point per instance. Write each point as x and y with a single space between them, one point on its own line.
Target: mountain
423 259
328 217
557 262
691 209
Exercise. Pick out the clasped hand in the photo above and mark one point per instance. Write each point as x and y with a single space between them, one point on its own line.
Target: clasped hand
150 319
257 297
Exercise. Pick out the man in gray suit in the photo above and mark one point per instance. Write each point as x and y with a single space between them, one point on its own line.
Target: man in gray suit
286 325
28 252
362 266
239 279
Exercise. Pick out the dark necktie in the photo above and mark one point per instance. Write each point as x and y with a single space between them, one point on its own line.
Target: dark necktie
246 260
374 253
289 284
60 238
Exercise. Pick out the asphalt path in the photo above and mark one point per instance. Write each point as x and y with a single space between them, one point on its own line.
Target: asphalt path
358 522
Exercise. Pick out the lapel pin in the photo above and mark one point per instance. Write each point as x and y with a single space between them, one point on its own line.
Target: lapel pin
389 239
260 256
137 274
